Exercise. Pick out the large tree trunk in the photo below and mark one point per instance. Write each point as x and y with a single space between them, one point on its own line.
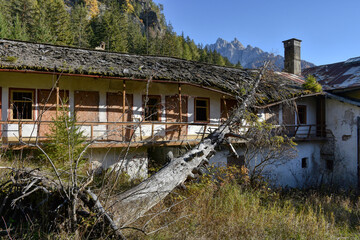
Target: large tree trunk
132 204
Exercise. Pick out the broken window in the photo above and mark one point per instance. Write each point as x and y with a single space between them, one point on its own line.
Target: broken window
21 102
201 110
301 114
152 108
304 162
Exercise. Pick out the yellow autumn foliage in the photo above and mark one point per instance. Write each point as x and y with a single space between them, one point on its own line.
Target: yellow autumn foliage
93 7
129 6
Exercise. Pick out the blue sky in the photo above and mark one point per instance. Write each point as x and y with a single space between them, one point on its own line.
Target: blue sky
329 29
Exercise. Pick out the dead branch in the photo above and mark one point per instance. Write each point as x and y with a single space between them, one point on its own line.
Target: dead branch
13 203
102 212
132 204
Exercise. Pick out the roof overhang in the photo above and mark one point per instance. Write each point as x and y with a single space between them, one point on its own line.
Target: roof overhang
119 78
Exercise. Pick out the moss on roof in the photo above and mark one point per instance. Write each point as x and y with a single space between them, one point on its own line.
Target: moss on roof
50 58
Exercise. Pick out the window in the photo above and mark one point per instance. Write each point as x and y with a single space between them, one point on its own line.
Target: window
201 109
301 114
22 102
304 162
152 109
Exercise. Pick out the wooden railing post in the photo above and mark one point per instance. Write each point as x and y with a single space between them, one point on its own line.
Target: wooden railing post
152 130
123 111
308 136
203 136
92 131
20 130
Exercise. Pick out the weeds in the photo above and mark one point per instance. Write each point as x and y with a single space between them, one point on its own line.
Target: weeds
220 206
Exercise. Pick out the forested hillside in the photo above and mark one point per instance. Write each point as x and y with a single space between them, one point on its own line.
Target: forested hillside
129 26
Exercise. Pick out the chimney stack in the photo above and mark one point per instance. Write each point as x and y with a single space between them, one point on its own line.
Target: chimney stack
292 63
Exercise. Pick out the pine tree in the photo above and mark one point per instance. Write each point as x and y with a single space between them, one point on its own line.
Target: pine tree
4 27
115 21
136 40
25 11
238 65
18 30
80 26
59 21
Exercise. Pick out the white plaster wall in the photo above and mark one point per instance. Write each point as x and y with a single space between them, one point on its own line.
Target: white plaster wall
290 173
135 164
342 122
287 172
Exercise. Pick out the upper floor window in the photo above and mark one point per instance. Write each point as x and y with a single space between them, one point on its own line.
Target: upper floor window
152 108
202 110
301 114
22 104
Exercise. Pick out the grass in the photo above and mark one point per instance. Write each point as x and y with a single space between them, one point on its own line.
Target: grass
225 205
229 210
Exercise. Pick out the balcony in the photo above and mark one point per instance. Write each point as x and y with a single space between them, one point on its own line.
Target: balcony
112 134
306 132
123 134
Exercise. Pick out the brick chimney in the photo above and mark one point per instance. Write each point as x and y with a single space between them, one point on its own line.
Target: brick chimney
292 63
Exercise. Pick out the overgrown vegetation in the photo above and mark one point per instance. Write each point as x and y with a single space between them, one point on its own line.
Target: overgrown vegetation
129 26
229 208
312 85
222 204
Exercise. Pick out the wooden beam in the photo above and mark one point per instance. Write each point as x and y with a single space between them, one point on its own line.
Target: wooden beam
57 98
124 100
180 109
123 108
180 104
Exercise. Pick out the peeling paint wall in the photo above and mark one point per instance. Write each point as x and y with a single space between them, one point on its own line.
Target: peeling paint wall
342 124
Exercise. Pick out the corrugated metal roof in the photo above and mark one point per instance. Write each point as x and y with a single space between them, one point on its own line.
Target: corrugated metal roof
337 75
292 77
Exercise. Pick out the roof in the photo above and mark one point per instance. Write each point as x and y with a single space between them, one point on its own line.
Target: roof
19 55
50 58
339 75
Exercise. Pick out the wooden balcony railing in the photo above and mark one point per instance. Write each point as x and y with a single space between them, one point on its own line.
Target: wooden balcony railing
305 131
114 132
123 133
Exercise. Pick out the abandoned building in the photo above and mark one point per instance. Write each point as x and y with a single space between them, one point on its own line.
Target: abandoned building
152 105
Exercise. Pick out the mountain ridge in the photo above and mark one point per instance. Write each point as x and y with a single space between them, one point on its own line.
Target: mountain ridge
249 56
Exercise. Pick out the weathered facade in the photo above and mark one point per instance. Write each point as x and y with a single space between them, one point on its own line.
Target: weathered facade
126 102
119 100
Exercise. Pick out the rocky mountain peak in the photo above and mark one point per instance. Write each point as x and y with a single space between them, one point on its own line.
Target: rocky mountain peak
237 44
249 57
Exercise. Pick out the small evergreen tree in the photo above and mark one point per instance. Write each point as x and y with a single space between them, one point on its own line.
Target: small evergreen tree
311 84
67 141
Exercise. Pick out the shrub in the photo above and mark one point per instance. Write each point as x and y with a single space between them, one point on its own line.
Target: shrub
311 84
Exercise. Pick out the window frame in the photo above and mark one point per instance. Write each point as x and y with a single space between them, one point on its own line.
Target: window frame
304 112
158 107
207 109
11 103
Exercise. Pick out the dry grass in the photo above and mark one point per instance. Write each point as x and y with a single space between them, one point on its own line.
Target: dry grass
229 210
225 205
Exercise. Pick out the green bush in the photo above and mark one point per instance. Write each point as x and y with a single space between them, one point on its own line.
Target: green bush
311 84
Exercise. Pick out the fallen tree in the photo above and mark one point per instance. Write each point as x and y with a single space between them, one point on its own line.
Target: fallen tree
132 204
120 210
